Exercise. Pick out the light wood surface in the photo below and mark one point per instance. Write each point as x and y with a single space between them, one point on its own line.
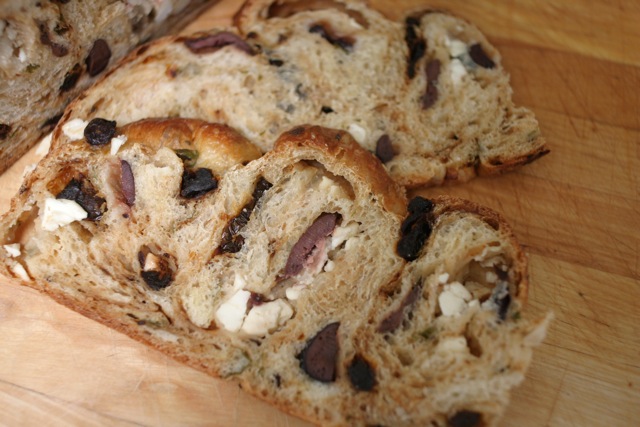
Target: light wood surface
576 211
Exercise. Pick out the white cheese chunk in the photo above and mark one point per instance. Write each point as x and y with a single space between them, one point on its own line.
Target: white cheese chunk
293 292
239 282
13 250
19 271
357 132
487 257
45 145
443 278
329 188
267 317
489 305
343 233
453 299
459 290
457 70
491 277
116 143
60 212
326 184
151 263
329 266
452 345
456 47
231 313
74 129
450 303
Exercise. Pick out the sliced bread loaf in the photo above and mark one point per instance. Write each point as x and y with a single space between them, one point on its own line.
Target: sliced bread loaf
304 274
428 95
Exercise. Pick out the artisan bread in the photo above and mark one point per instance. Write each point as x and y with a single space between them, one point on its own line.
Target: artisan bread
427 94
51 50
304 274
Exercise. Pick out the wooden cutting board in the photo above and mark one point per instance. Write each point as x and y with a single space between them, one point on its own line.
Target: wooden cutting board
576 211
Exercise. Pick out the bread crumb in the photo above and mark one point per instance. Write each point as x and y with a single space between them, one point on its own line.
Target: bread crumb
13 249
74 129
19 271
357 132
45 145
116 143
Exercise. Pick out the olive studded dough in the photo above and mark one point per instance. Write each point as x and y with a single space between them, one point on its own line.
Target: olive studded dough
427 94
50 51
303 274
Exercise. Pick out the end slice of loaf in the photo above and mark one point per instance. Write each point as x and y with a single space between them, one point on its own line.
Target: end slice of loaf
304 274
428 94
51 51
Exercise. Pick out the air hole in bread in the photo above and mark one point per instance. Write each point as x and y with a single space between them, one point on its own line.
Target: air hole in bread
24 229
405 357
475 348
403 313
326 31
84 234
335 179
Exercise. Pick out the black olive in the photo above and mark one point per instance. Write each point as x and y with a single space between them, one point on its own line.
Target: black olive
319 357
100 131
361 374
197 183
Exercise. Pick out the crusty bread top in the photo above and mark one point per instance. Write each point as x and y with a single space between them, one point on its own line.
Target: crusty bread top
220 146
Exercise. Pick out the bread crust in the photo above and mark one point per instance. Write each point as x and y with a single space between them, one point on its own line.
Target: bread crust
223 145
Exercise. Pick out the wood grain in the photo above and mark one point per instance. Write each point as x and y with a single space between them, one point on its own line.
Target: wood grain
576 211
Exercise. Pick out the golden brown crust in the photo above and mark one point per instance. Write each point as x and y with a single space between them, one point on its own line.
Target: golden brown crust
339 147
498 166
219 146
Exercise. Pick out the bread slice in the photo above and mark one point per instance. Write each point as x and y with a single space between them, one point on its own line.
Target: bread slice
428 94
304 274
50 51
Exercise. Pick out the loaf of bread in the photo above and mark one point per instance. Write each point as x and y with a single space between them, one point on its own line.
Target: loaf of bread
428 95
51 50
304 274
